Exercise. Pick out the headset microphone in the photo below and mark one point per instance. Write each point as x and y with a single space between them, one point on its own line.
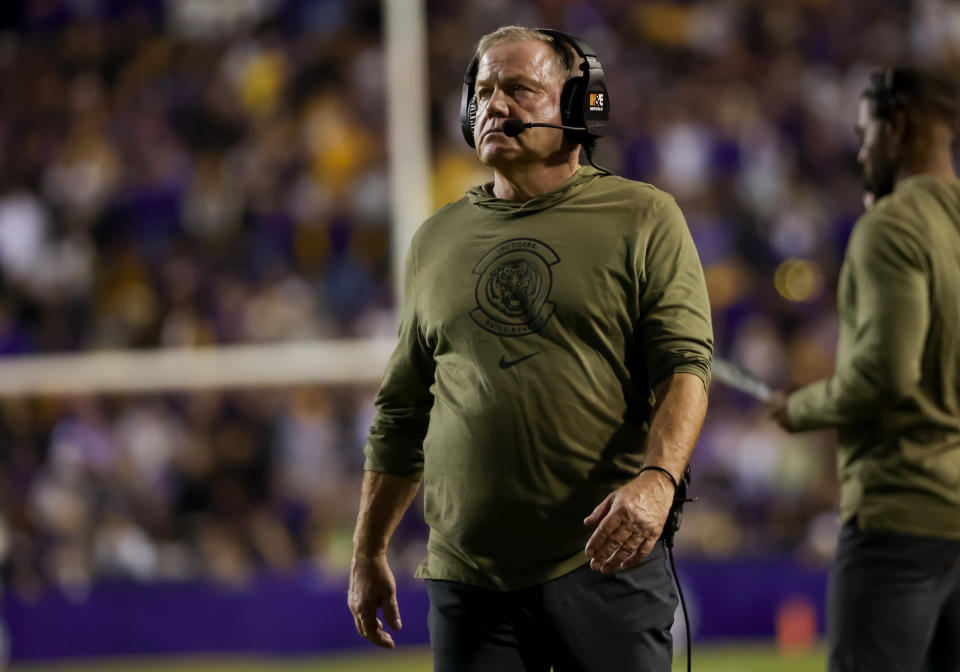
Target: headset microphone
514 127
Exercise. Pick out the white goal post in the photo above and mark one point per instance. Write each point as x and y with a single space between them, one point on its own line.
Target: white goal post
335 362
281 364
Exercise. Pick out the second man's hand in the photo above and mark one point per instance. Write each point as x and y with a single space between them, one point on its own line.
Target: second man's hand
777 407
629 522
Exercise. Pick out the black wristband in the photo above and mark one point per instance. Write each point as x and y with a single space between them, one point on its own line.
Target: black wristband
653 467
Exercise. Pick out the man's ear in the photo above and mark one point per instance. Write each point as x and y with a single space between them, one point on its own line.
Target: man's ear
898 125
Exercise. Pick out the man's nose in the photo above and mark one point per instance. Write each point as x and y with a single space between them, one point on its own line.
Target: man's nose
498 106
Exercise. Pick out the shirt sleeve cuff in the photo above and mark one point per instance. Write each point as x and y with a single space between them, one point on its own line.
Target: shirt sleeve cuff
392 462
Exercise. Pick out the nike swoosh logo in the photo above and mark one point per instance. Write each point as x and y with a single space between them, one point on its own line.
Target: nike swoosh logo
504 364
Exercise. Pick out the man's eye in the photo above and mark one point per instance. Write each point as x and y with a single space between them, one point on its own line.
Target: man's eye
483 94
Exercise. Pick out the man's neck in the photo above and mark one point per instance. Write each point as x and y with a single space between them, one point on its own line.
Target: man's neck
939 166
527 182
931 156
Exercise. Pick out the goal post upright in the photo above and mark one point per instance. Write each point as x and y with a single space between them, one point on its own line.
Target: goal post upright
408 123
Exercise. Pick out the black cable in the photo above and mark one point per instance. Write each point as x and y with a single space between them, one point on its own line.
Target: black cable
683 602
588 149
669 532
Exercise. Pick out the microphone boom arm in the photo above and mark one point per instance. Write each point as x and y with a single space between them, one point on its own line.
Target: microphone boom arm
514 127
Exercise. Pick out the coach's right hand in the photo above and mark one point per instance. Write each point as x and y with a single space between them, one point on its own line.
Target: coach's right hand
373 587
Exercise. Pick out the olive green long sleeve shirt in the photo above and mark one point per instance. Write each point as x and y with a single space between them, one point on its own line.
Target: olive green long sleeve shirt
521 388
895 394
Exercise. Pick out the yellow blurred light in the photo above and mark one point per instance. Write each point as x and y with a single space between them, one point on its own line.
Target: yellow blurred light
799 280
454 173
726 283
262 83
663 22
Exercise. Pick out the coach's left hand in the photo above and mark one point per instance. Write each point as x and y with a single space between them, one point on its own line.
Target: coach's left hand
629 522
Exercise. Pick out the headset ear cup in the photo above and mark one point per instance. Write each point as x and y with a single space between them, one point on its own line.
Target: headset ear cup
468 115
568 102
571 106
472 114
468 103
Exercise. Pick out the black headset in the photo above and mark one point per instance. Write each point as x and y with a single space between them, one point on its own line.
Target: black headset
584 102
883 90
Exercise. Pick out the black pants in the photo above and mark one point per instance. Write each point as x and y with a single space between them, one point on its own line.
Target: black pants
893 603
584 621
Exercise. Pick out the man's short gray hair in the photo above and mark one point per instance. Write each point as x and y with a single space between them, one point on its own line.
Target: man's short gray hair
566 61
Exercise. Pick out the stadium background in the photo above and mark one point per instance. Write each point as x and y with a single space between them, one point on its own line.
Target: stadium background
177 174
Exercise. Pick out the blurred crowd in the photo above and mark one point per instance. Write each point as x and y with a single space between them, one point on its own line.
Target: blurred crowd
203 485
177 173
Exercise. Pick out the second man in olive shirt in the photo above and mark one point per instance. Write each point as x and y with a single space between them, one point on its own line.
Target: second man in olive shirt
894 595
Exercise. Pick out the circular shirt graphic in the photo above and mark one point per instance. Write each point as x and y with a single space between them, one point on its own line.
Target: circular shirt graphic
513 288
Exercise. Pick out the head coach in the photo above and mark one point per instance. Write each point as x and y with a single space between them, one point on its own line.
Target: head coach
547 389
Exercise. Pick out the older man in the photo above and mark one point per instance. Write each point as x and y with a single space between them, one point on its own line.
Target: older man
548 388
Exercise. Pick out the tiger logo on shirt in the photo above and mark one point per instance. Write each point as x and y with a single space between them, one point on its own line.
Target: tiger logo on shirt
513 287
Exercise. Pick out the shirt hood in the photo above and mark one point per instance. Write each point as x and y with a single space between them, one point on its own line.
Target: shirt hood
481 198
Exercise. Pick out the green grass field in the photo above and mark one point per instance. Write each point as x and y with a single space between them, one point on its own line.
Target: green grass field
727 658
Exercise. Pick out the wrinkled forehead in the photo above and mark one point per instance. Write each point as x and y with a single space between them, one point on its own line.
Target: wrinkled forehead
522 58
